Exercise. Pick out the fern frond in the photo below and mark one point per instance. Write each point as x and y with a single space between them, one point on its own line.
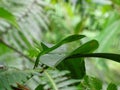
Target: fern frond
32 19
11 77
58 80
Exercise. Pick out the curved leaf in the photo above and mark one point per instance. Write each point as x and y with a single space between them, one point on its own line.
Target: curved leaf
114 57
88 47
77 65
70 38
66 40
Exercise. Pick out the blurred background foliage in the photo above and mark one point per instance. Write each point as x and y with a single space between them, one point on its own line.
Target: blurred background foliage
50 21
97 19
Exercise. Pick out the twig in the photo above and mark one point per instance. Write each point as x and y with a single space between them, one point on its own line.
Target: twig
14 49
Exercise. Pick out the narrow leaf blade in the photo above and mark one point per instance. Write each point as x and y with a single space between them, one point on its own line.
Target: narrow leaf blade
87 47
44 47
6 15
68 39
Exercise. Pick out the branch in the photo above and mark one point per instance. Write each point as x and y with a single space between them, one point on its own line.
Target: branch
14 49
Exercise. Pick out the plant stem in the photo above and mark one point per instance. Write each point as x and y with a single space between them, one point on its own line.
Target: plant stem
51 80
14 49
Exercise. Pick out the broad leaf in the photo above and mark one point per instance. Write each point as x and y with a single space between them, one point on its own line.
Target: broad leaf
45 54
77 65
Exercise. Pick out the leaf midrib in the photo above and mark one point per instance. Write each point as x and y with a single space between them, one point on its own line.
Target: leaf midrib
51 80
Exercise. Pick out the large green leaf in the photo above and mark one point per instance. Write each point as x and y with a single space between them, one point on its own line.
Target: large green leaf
77 65
56 56
6 15
47 57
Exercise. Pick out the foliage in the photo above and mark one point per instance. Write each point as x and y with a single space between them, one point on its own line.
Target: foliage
11 77
34 33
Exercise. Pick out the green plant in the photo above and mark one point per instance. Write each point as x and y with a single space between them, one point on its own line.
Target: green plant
55 67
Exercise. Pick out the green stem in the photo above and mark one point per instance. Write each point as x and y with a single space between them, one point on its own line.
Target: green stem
51 80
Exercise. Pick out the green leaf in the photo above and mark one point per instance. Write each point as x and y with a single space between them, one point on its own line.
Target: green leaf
116 2
77 65
112 86
68 39
10 77
114 57
64 41
87 47
58 80
6 15
90 83
80 26
53 58
44 47
107 36
39 87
